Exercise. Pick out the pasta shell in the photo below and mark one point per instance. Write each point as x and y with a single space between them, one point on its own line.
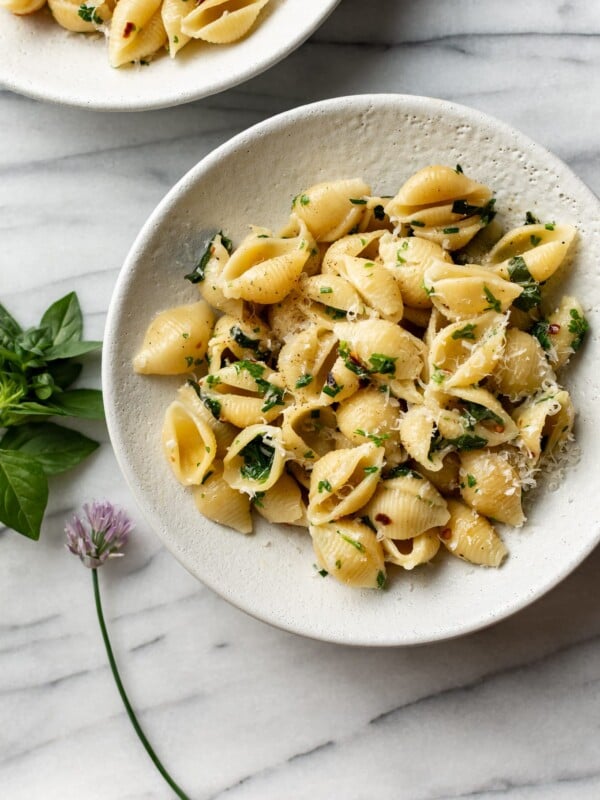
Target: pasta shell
376 285
282 502
308 431
471 537
371 414
189 444
211 285
306 359
343 481
216 500
340 383
464 292
445 479
237 340
176 341
479 414
465 352
523 366
406 506
382 345
363 245
542 249
491 486
565 331
545 421
67 14
328 210
222 21
173 12
430 186
201 406
349 552
136 31
247 392
407 259
410 553
266 269
417 428
255 460
334 292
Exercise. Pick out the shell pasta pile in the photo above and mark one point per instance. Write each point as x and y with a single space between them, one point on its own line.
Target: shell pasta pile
139 29
358 374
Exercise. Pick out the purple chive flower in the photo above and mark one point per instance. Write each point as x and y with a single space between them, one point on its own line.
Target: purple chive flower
99 535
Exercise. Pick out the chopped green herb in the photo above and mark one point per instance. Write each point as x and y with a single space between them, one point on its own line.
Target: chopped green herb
549 226
335 313
324 486
401 471
535 240
399 258
352 362
384 365
438 375
338 563
273 395
494 303
254 368
213 380
450 230
530 219
309 454
331 388
471 481
458 169
322 572
325 290
176 40
185 335
376 438
466 332
416 223
465 442
519 273
540 331
304 380
487 212
256 499
358 545
378 212
472 413
198 274
89 14
304 200
579 326
189 360
244 341
358 201
258 459
367 521
371 470
429 290
381 579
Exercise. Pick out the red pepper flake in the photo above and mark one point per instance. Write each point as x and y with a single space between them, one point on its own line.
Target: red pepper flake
554 328
383 518
499 428
129 28
446 533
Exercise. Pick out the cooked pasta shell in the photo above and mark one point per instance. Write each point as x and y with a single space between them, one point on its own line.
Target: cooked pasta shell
255 460
22 7
247 392
328 210
264 269
176 341
542 249
462 292
216 500
340 383
374 217
211 285
465 352
564 331
222 21
173 12
523 367
67 14
376 285
201 406
343 481
306 359
432 186
445 479
383 348
334 292
410 553
237 339
417 428
357 245
308 431
408 258
491 485
349 551
189 444
471 537
136 31
545 421
405 506
479 414
372 415
282 502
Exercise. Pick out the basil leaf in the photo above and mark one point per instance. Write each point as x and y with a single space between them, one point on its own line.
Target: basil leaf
55 449
23 493
65 372
70 350
84 403
9 328
34 341
64 320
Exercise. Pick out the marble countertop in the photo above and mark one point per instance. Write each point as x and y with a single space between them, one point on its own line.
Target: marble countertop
236 709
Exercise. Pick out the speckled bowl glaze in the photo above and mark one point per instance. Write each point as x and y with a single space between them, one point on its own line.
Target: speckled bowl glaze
252 178
42 60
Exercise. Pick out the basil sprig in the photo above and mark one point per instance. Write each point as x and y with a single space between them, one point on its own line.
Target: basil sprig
36 372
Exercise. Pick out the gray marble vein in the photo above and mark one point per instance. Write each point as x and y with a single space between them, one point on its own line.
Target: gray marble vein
240 711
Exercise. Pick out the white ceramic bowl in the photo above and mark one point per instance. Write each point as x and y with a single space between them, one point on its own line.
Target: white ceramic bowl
252 178
42 60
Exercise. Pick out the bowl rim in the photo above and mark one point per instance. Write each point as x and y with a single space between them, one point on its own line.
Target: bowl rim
271 124
14 82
